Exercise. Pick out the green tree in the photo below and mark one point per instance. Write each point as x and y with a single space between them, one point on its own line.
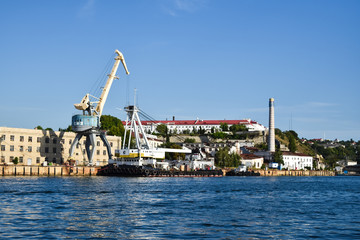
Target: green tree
173 156
278 156
68 129
238 128
331 160
262 146
220 135
112 125
162 129
293 133
225 159
224 126
279 133
201 131
16 160
292 143
39 127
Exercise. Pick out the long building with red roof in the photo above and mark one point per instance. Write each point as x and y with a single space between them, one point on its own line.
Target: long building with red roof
180 126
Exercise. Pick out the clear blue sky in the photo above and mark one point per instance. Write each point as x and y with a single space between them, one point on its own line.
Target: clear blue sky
206 59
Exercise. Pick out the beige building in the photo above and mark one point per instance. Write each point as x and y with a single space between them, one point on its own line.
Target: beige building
34 147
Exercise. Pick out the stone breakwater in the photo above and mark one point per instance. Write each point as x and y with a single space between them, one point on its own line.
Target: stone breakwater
17 170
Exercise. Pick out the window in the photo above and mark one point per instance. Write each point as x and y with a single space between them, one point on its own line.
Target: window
47 140
38 139
98 143
21 148
21 159
104 152
54 160
37 149
38 160
111 144
46 150
11 148
84 142
98 152
54 140
2 147
3 159
3 137
54 150
12 137
70 141
29 139
11 158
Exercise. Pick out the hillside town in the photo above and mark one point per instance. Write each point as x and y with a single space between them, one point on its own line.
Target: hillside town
213 143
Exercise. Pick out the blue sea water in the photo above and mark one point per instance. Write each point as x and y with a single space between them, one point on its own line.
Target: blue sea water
180 208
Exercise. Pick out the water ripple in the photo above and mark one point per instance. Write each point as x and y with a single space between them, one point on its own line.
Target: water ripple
180 208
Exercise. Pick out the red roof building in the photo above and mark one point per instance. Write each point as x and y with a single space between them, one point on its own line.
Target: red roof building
183 125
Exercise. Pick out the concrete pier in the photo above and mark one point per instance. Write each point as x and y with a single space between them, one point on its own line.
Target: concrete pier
14 170
293 173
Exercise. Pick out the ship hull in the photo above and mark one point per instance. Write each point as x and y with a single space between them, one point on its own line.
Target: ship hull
139 171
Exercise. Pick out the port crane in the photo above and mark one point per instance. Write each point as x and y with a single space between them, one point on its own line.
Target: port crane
88 123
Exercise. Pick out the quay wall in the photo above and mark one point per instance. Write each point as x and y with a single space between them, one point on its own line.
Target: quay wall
294 173
14 170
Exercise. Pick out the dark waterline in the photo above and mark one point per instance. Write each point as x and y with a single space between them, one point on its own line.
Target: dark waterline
180 208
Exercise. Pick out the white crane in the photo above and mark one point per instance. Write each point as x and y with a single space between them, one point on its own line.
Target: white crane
143 154
88 123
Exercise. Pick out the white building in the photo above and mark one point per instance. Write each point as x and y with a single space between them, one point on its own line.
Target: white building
179 126
251 160
297 161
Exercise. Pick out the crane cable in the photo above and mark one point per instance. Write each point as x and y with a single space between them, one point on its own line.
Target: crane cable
96 88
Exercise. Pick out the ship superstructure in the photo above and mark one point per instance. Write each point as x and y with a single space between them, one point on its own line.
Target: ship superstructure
136 149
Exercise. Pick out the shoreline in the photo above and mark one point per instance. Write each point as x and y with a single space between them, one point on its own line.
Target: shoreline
18 170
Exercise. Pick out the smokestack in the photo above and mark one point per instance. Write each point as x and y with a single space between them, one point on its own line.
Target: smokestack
271 143
173 118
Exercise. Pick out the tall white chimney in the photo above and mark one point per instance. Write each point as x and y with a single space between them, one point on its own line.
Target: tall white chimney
271 143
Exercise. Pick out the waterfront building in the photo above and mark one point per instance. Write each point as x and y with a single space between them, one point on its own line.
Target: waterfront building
251 160
181 126
297 161
34 147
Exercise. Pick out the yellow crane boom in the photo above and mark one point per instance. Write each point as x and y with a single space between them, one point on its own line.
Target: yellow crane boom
112 76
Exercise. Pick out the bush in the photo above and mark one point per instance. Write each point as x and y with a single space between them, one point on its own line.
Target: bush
189 140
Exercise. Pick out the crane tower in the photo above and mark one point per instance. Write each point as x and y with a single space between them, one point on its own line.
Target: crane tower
88 123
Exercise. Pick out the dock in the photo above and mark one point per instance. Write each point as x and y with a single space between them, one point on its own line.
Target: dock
18 170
